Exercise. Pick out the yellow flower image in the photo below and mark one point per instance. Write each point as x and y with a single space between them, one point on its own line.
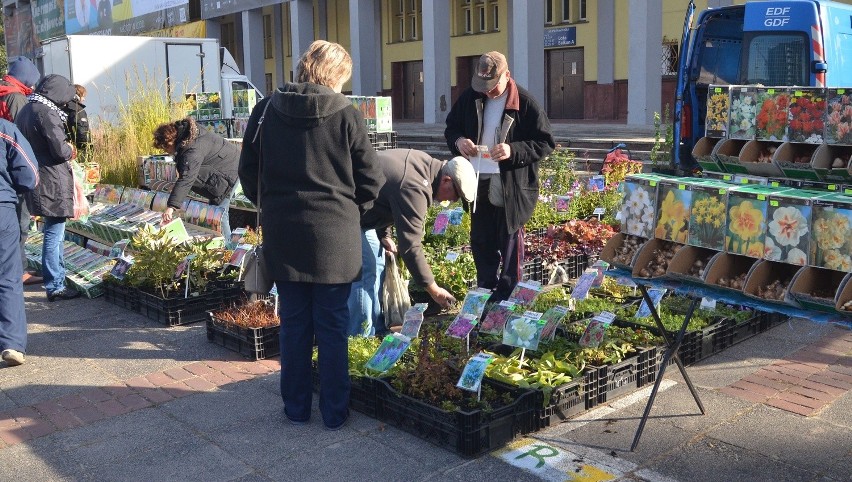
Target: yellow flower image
833 259
746 220
674 219
829 231
755 250
717 111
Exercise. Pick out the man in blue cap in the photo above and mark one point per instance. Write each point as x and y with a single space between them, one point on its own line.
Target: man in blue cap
15 86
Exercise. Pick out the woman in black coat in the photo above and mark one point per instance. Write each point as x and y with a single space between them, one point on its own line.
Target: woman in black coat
77 124
206 164
317 172
42 122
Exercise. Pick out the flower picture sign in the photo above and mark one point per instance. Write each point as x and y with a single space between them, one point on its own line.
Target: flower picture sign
743 111
718 107
806 116
674 201
832 233
771 117
788 227
638 210
747 221
838 118
708 215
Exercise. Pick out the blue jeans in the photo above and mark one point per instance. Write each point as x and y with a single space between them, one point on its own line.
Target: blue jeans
13 318
52 255
365 307
309 310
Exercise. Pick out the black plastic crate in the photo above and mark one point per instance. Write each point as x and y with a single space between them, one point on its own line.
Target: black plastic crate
182 311
362 392
252 343
574 265
383 140
610 382
121 295
566 402
532 270
470 433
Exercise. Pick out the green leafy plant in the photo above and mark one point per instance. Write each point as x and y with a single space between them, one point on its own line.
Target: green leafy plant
454 276
661 151
454 237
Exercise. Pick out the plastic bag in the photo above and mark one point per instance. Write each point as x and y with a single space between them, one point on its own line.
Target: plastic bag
81 204
395 298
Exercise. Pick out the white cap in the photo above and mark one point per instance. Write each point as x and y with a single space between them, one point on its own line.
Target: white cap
464 177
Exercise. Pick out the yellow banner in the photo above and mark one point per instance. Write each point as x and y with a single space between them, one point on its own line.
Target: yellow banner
188 30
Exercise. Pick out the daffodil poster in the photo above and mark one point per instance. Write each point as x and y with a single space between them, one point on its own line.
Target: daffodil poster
788 227
708 215
638 210
674 201
747 221
832 234
718 107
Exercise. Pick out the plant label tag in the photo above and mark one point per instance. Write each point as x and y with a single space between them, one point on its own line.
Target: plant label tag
474 303
551 319
462 325
456 216
471 377
562 203
656 295
122 264
522 332
599 211
597 183
484 152
584 284
605 317
237 236
183 266
525 292
495 319
117 249
593 336
442 220
239 255
451 256
387 354
625 281
708 303
533 315
411 324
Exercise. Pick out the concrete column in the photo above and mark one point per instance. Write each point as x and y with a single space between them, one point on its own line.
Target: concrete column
252 40
644 62
436 61
526 45
606 41
278 56
366 59
301 29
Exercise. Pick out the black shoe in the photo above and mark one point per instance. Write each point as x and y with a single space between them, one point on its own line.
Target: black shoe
63 294
340 425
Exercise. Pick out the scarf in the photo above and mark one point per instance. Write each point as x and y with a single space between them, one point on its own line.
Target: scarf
34 97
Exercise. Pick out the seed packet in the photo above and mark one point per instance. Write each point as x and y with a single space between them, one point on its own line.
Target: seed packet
562 203
522 332
411 324
656 295
524 293
442 220
388 353
237 235
462 325
597 183
593 336
471 377
474 302
239 255
456 216
119 270
584 284
496 317
551 318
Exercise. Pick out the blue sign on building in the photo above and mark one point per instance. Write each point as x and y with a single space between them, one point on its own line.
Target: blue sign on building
560 36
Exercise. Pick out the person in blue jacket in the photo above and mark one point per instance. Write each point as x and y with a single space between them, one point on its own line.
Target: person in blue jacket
18 175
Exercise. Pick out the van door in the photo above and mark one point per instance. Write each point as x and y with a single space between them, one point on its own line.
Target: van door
184 70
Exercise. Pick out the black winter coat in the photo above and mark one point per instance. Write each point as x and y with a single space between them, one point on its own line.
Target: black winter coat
319 172
77 125
525 128
207 164
44 128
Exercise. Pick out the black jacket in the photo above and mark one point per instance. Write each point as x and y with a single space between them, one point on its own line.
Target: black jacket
77 125
318 171
206 163
44 128
525 128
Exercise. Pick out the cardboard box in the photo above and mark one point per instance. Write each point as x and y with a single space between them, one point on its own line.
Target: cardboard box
674 202
744 104
838 116
844 296
610 250
639 207
682 264
756 158
811 283
794 160
823 162
707 219
831 232
806 115
384 114
727 153
718 110
647 254
727 266
764 273
771 117
788 226
746 226
703 154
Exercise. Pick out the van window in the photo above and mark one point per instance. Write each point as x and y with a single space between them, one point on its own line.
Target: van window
720 61
777 59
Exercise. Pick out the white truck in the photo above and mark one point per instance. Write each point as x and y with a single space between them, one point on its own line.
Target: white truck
110 66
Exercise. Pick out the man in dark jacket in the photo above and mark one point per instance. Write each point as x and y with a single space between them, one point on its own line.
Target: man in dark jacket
514 133
206 164
77 124
42 122
413 181
18 175
16 85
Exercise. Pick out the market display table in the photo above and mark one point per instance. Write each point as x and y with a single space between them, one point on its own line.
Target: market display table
697 292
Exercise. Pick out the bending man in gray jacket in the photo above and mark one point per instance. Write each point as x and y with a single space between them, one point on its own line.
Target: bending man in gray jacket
414 180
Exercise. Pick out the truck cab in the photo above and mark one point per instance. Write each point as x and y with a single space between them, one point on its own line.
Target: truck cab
773 43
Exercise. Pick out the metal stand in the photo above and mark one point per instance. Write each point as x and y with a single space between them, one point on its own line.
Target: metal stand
671 353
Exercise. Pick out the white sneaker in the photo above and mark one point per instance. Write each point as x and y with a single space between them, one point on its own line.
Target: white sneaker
13 358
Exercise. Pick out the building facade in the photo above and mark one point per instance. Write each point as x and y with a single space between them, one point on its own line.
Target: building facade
603 60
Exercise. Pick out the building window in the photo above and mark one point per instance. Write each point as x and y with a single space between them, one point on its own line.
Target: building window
479 16
288 43
468 21
495 10
566 10
408 16
582 15
669 58
413 31
267 36
548 12
483 26
268 78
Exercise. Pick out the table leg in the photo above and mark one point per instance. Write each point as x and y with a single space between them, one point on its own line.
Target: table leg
671 352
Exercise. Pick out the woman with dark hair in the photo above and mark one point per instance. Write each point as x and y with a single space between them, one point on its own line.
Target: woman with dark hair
206 164
318 172
77 124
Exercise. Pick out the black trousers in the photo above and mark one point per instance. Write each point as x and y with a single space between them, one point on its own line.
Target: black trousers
497 253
